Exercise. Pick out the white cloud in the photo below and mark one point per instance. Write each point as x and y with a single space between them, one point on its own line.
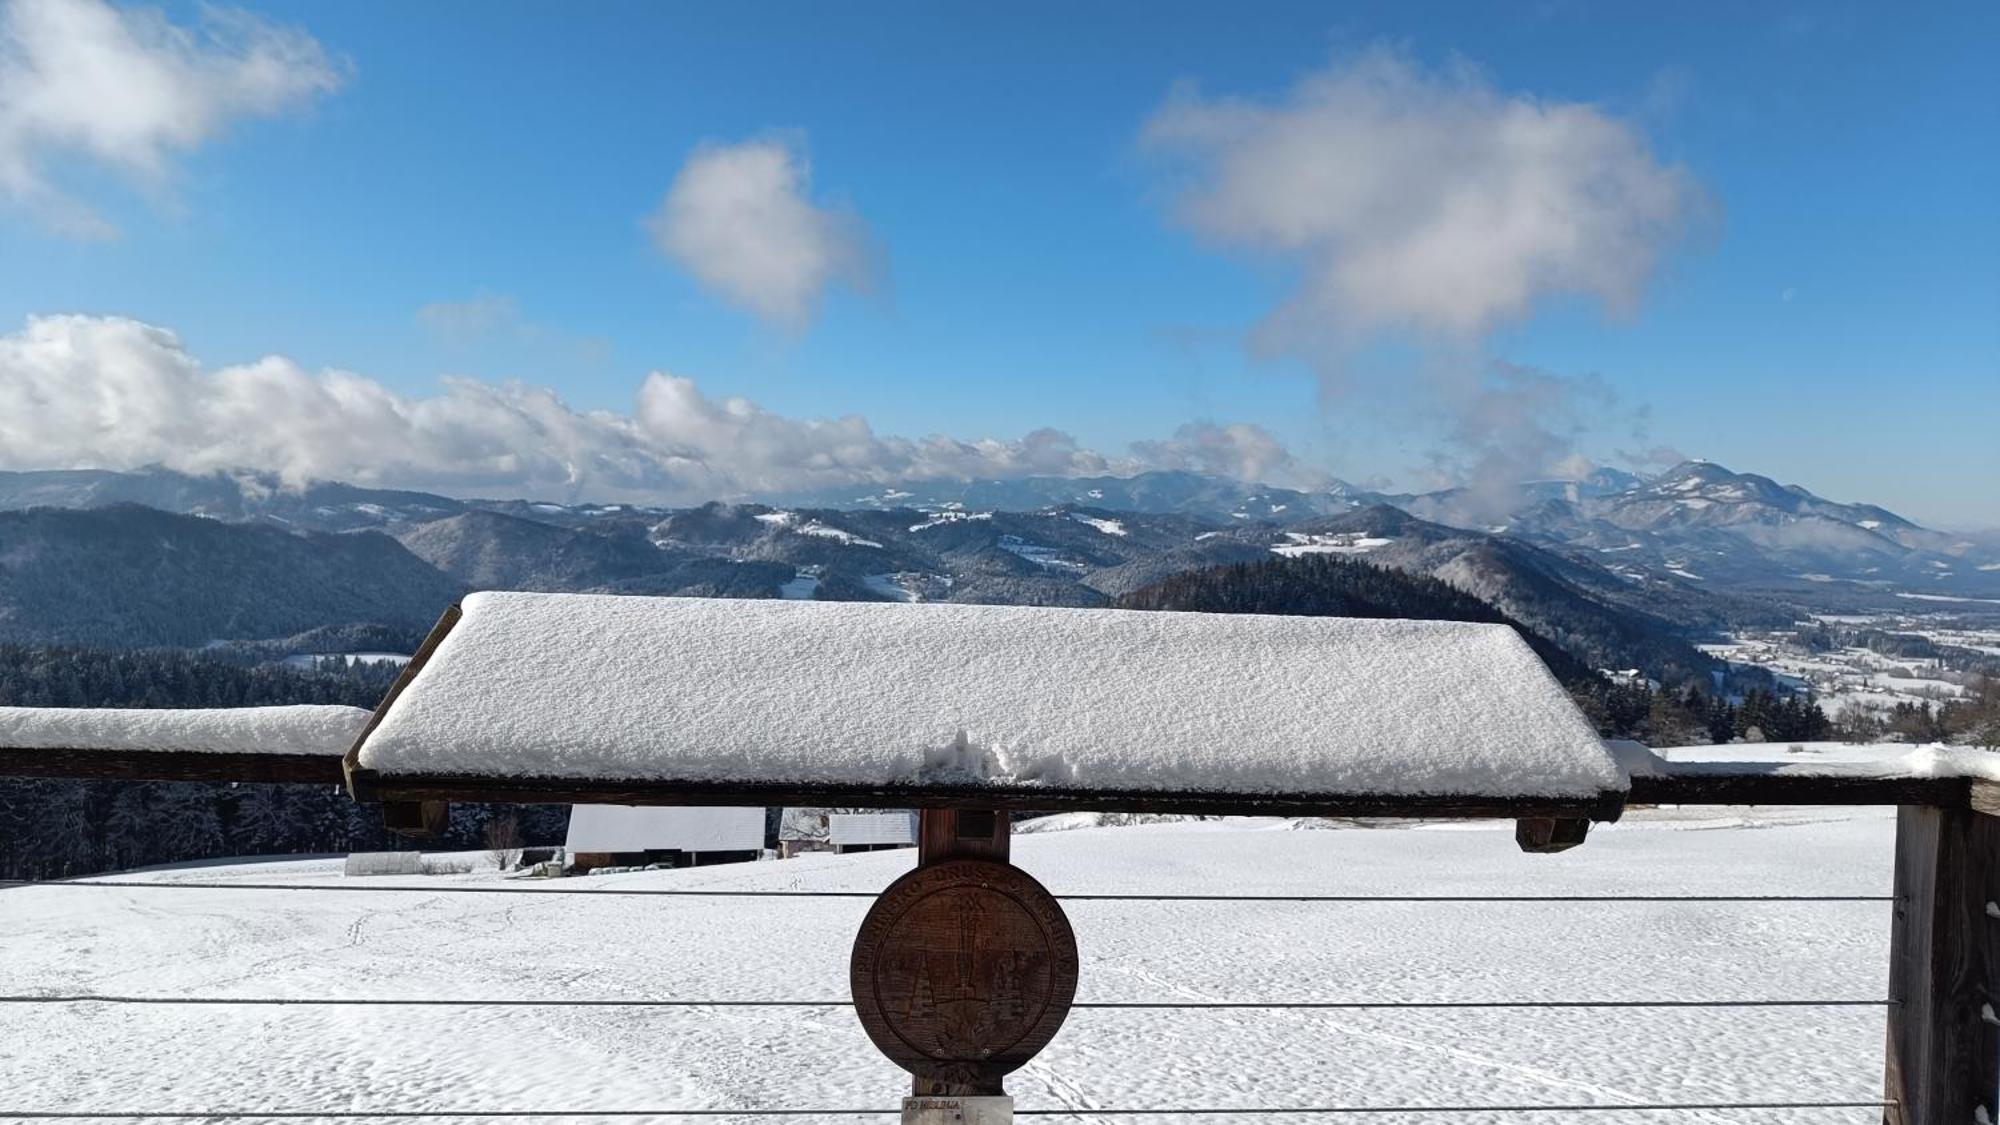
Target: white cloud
1653 457
1430 208
128 90
1240 450
1507 423
1576 466
107 392
738 218
1425 203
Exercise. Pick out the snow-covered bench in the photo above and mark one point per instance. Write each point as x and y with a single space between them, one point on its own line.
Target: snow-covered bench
584 698
298 743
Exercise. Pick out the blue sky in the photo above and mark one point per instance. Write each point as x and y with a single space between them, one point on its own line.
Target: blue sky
1825 311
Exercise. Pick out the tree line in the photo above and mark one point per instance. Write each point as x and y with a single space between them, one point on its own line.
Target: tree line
1691 716
1972 719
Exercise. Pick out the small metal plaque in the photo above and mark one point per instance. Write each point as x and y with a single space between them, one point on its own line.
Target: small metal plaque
958 1111
963 970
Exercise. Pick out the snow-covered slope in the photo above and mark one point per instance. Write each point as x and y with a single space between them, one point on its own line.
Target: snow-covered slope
247 943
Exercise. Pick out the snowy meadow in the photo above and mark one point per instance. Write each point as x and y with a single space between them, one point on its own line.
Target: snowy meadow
204 939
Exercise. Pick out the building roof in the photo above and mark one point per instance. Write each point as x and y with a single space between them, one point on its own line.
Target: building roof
640 699
851 829
623 828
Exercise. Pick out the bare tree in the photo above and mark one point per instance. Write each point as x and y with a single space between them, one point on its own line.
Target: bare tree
1857 723
503 840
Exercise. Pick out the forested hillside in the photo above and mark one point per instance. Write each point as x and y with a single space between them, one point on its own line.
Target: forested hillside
1603 619
490 551
1332 586
133 576
82 677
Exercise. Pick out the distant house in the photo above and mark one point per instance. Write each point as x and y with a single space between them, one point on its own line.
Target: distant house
803 830
1630 677
684 836
872 831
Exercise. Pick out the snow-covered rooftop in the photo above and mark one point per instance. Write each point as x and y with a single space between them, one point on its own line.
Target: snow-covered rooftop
587 689
315 730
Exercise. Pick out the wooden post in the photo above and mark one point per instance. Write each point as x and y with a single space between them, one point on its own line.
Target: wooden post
958 834
1943 953
962 834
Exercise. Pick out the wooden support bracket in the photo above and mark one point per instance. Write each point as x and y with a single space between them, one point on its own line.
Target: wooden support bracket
963 834
420 820
1550 833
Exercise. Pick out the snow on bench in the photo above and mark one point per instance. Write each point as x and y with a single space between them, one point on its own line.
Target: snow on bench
659 699
1881 760
297 744
303 729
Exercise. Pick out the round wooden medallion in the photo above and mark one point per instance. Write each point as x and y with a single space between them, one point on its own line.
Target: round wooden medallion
963 970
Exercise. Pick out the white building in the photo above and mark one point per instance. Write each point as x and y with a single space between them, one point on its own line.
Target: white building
617 835
844 830
870 831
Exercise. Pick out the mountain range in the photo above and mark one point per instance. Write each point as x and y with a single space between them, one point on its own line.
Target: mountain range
1702 522
1622 571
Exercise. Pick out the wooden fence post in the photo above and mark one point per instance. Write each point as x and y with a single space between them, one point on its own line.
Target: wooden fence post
944 834
1944 950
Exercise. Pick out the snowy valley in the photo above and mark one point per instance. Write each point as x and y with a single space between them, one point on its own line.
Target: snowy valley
1869 671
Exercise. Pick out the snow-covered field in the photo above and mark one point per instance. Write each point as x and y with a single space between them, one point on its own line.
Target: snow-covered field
1335 543
305 944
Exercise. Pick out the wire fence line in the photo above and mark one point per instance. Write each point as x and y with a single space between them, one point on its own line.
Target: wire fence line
705 892
12 1114
1180 1111
1590 1107
1100 1005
